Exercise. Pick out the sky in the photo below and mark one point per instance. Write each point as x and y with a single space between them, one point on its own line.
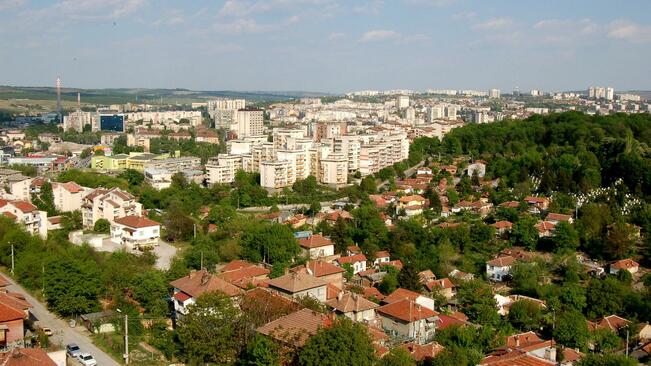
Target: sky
327 45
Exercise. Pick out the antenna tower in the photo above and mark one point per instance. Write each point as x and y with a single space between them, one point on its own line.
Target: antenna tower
59 113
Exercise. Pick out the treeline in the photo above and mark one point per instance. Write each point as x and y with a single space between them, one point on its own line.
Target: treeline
568 152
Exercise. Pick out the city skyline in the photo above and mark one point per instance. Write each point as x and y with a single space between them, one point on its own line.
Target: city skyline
326 45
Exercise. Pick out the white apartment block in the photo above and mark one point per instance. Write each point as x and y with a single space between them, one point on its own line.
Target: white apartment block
68 196
334 170
494 93
160 118
402 101
434 113
222 170
248 122
76 121
451 111
276 174
385 151
108 204
25 213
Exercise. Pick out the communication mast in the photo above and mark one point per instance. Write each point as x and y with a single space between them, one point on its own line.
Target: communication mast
59 113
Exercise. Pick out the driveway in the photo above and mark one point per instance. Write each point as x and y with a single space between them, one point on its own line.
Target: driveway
164 251
63 334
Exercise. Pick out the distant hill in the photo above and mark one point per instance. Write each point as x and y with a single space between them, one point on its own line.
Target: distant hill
124 95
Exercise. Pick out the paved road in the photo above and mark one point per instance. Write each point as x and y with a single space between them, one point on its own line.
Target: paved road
63 334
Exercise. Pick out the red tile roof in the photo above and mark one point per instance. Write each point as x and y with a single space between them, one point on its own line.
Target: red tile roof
382 254
613 322
9 313
136 222
315 241
503 261
26 357
558 217
71 187
401 294
625 264
24 206
545 226
295 328
247 273
182 296
197 283
373 292
514 358
407 199
296 282
397 264
407 311
443 283
321 268
503 225
352 259
236 264
350 302
421 352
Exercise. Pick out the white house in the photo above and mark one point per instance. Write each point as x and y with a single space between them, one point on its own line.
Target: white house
108 204
627 264
68 196
317 246
353 306
25 213
478 167
135 232
412 205
357 261
498 268
408 320
381 257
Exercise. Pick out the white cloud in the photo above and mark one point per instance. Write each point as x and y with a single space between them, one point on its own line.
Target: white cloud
629 31
496 24
465 16
564 31
87 10
431 2
169 18
379 35
248 25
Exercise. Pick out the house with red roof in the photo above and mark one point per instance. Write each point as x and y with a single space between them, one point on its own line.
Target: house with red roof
357 261
293 330
381 257
626 264
423 352
297 284
317 246
25 213
545 229
444 286
187 289
412 205
402 294
68 196
12 330
26 357
245 277
408 319
353 306
325 271
135 232
537 205
555 218
499 268
502 227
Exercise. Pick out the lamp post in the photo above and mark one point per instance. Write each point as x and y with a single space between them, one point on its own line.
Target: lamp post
126 337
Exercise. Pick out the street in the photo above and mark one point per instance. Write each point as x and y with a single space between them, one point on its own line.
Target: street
62 333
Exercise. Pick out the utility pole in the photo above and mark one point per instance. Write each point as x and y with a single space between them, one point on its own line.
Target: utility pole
627 341
12 259
126 339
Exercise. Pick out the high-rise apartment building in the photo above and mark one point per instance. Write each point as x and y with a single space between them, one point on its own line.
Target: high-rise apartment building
402 101
494 93
248 122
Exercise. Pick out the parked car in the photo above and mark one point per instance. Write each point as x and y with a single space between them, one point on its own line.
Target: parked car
87 359
47 331
73 350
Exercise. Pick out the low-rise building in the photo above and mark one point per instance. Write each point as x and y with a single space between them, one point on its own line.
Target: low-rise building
296 284
408 320
357 261
187 289
135 232
353 306
316 246
499 268
68 196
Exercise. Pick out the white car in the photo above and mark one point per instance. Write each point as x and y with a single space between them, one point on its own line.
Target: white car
87 359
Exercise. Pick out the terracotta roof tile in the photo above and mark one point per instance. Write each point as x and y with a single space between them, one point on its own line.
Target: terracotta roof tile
503 261
407 311
295 328
9 313
401 294
352 259
350 302
136 222
315 241
197 283
296 282
26 357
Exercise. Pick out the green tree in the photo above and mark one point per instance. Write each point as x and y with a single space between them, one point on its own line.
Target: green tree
572 330
72 286
408 277
178 226
209 332
524 233
179 181
221 214
367 185
525 315
605 297
133 177
344 343
270 243
565 237
605 340
260 351
45 199
608 359
102 226
151 292
397 356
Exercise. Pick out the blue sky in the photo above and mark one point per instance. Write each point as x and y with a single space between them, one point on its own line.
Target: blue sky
327 45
